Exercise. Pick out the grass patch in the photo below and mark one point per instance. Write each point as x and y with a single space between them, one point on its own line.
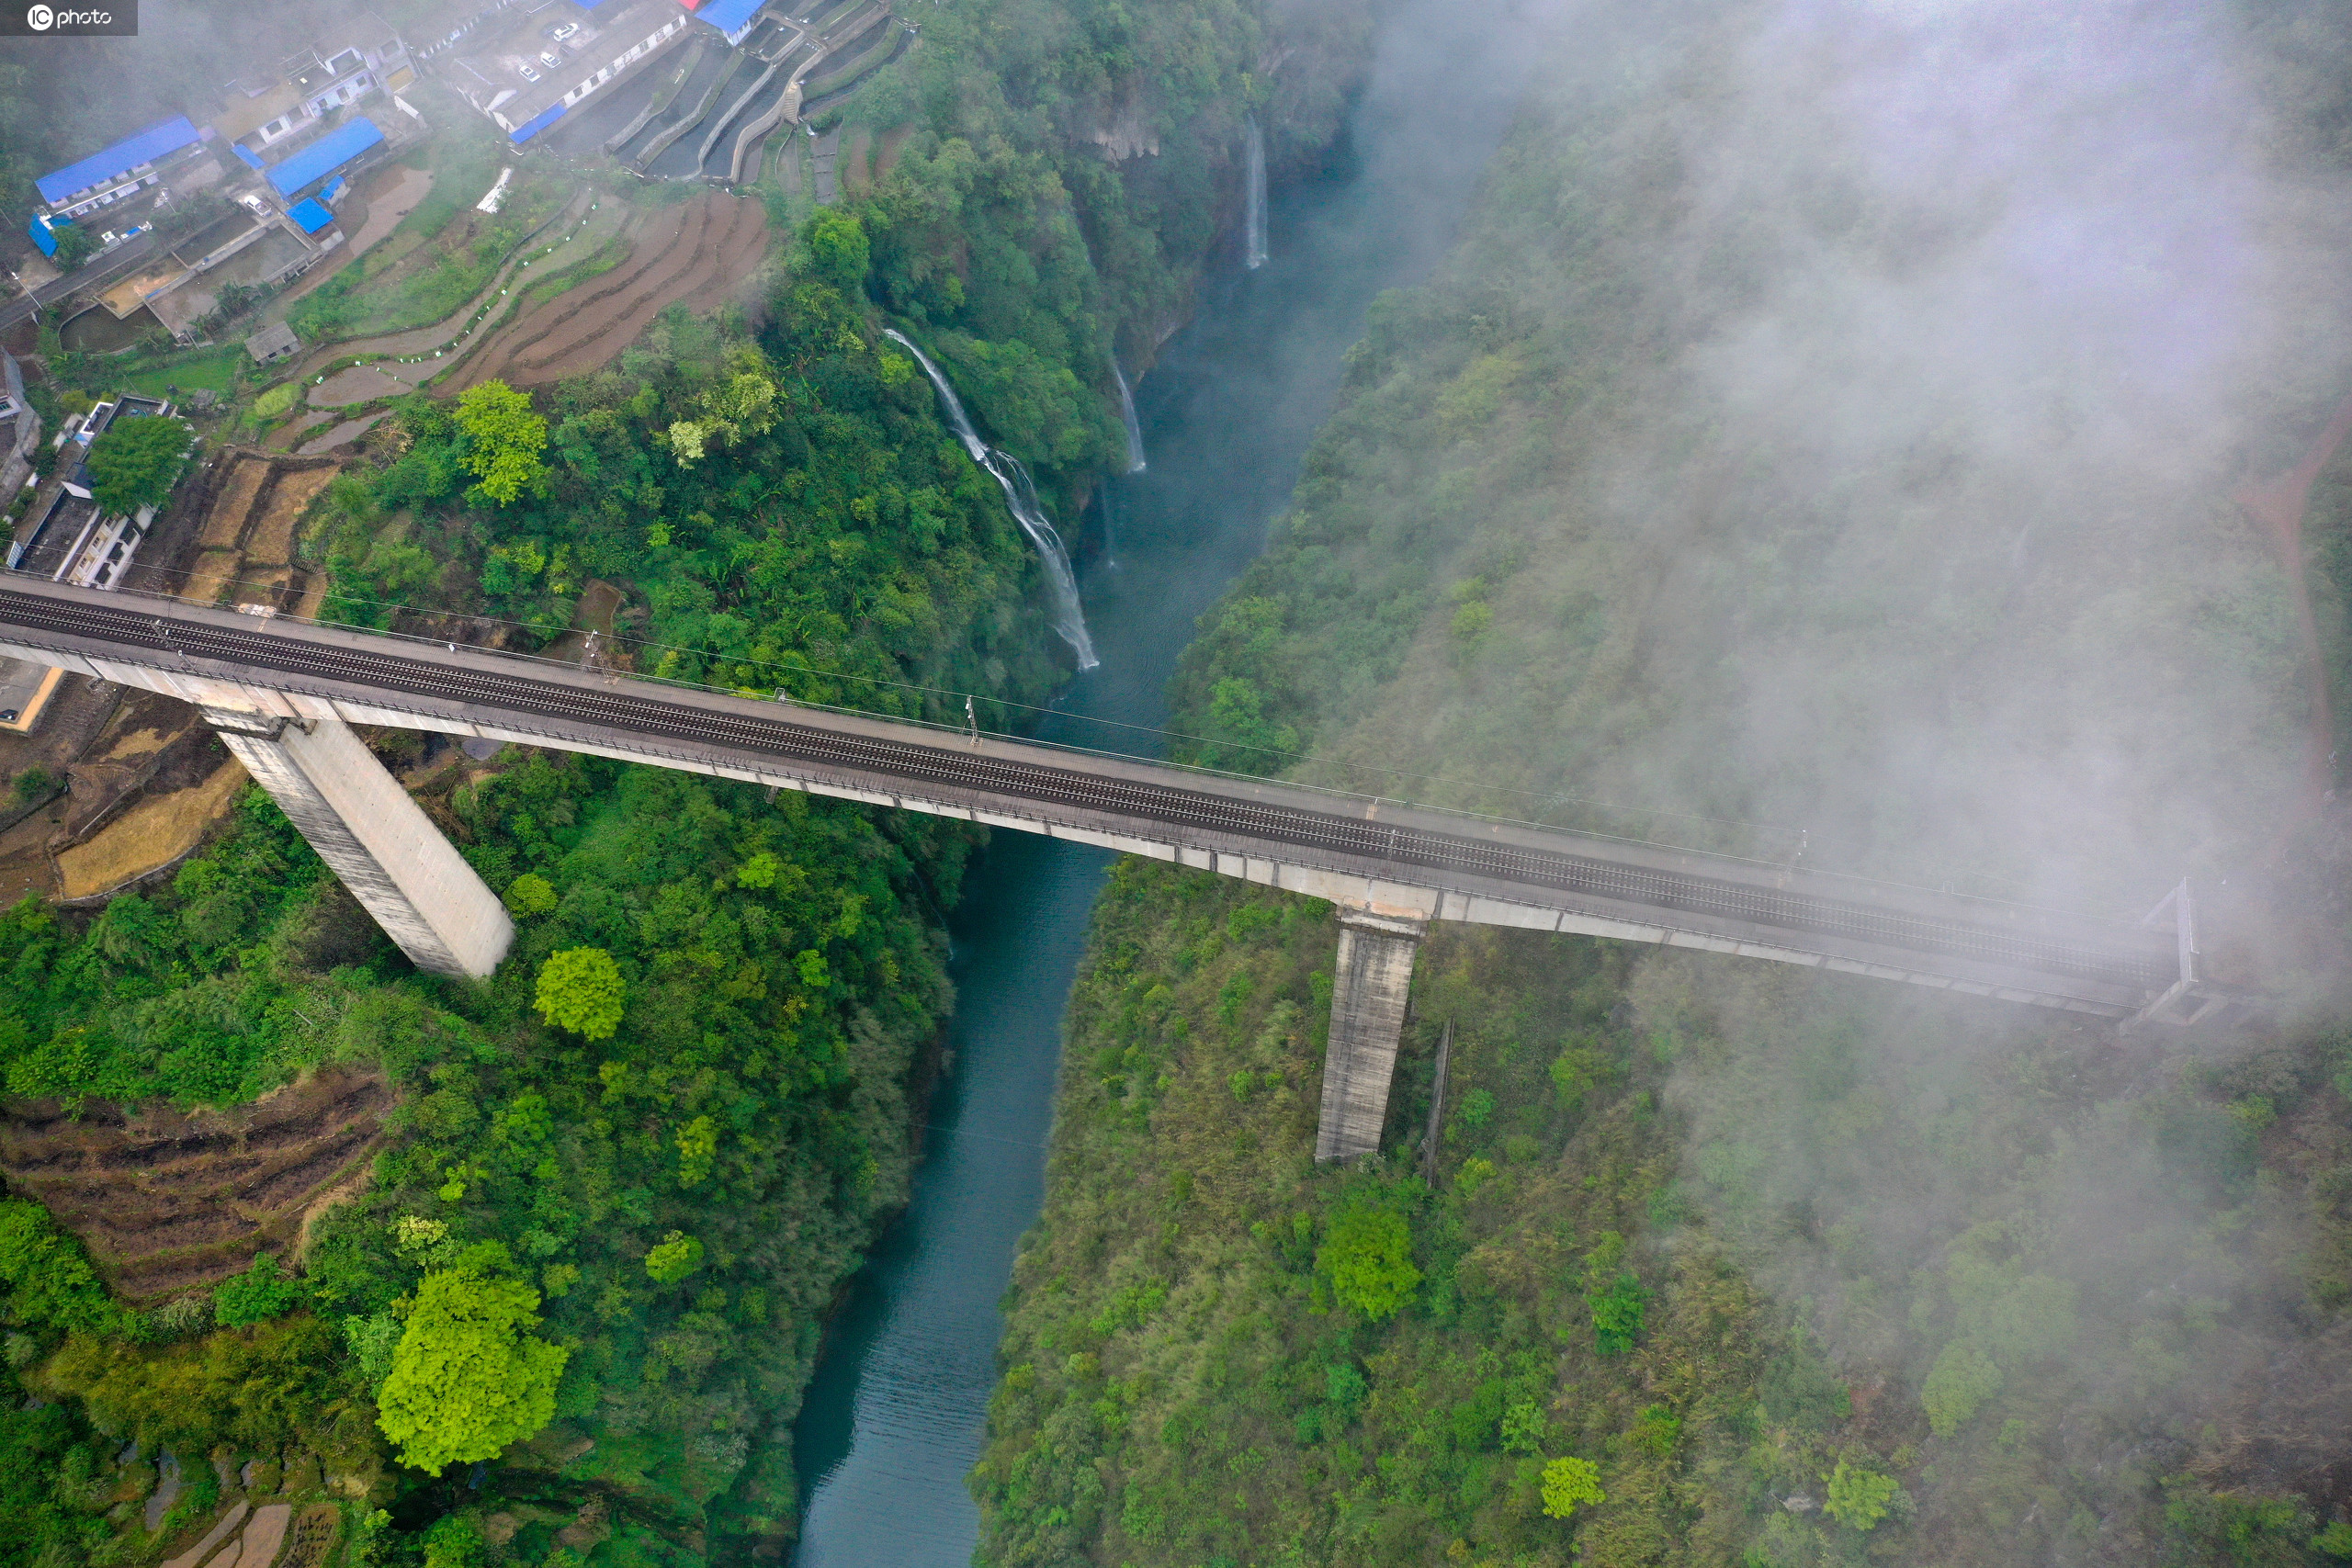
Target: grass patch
464 166
212 369
346 308
601 260
465 163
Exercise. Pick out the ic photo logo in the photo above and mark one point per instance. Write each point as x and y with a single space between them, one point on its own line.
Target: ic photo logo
44 18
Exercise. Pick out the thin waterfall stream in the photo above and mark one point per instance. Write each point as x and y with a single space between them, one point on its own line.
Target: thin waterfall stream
1253 198
893 1419
1021 495
1136 460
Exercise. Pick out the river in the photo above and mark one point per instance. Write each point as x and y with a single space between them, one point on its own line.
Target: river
892 1424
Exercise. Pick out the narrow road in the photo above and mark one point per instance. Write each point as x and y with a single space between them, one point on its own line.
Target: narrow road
99 270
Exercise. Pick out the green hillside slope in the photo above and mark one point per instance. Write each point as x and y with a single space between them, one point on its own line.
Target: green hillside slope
1743 482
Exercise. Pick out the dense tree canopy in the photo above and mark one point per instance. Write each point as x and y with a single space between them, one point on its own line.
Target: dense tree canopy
504 435
134 462
468 1378
581 989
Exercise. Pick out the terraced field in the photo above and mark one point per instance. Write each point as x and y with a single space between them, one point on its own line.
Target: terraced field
697 253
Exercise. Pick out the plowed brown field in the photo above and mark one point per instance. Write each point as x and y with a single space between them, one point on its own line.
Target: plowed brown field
166 1199
698 254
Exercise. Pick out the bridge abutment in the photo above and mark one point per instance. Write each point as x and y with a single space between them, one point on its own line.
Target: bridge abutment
379 842
1369 986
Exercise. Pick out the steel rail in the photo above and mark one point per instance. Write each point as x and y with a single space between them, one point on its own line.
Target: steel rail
649 712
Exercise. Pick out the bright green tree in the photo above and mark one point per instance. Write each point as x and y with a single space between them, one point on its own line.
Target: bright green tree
467 1378
677 1255
505 436
1369 1260
1857 1498
1568 1482
135 462
580 989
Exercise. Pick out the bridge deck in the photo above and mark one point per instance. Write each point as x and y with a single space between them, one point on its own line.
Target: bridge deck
1381 854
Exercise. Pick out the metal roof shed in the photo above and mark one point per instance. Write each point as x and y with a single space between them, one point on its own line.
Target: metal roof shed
325 156
158 140
733 18
309 215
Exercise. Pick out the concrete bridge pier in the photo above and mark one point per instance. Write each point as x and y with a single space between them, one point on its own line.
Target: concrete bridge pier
381 842
1369 986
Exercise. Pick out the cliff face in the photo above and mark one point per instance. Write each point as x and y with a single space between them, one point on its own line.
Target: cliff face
167 1200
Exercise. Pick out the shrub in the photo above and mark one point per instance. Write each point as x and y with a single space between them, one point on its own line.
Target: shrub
1614 1295
258 1295
1857 1498
530 894
46 1279
1962 1379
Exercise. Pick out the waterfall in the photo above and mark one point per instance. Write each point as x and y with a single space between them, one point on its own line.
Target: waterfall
1135 463
1021 495
1253 232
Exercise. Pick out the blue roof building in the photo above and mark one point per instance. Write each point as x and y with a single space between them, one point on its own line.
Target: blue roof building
733 18
118 171
43 229
324 156
309 215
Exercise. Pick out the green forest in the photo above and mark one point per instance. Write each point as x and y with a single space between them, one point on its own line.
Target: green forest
582 1289
1703 1261
1712 1261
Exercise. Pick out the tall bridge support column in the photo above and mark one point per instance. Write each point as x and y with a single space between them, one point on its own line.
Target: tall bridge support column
381 842
1369 986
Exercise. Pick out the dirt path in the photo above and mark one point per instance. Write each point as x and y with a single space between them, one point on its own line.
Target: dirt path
2279 507
350 429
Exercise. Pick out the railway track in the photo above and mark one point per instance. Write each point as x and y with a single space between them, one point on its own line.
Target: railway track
943 760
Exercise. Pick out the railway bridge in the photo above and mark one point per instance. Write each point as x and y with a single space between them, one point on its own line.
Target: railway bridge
283 694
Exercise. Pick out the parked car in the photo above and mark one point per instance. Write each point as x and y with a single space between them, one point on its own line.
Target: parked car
528 74
550 59
563 30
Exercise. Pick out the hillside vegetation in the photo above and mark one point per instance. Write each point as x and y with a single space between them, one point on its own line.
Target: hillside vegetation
628 1174
1707 494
